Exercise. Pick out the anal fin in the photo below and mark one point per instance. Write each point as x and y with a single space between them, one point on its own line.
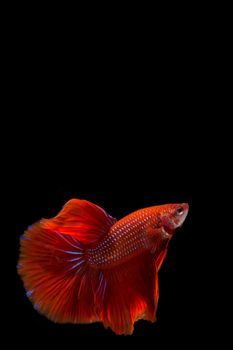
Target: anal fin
129 291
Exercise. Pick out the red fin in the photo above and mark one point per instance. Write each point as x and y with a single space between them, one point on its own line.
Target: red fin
126 294
83 219
159 259
54 270
53 263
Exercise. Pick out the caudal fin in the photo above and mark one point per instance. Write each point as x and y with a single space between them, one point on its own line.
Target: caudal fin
53 263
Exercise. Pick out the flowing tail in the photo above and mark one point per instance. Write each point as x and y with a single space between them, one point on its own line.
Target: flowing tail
62 285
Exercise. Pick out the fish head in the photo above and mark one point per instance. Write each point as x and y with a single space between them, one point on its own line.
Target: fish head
172 216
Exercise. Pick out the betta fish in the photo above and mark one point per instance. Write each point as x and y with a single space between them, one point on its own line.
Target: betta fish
84 266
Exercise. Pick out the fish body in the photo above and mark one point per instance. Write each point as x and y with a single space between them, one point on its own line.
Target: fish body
83 266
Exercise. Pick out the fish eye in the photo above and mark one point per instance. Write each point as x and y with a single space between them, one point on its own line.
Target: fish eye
179 211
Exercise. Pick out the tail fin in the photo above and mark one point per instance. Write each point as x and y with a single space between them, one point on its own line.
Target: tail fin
53 262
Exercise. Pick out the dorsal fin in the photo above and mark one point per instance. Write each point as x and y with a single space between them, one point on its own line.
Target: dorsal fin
84 220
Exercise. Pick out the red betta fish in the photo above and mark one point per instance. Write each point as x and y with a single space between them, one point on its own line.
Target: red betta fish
83 266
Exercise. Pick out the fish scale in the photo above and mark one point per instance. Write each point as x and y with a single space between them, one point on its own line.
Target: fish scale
126 238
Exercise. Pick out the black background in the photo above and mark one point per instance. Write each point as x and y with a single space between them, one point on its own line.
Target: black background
124 135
